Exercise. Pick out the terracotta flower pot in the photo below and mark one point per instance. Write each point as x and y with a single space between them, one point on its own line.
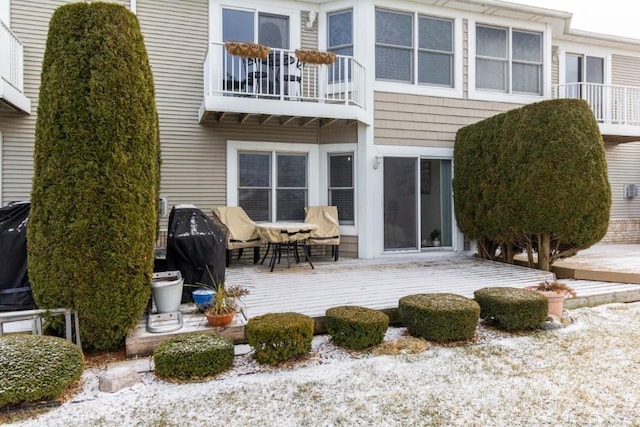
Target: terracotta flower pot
555 300
220 319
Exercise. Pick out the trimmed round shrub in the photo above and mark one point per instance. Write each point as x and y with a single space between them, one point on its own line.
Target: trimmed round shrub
276 337
439 317
93 219
193 356
37 367
356 327
512 309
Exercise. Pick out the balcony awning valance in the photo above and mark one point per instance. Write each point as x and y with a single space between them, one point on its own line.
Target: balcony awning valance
247 50
312 56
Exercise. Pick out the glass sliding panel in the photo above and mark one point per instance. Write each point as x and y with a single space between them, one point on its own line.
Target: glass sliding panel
527 46
273 30
341 186
254 185
400 203
435 69
394 45
446 199
573 74
595 70
291 190
237 25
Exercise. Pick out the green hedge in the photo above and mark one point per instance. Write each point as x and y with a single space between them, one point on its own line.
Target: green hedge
193 356
276 337
37 368
93 220
519 174
356 327
439 317
512 308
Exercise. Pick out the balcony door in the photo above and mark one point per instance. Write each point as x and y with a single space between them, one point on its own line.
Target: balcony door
584 76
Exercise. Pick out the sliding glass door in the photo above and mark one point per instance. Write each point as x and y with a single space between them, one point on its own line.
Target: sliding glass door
418 211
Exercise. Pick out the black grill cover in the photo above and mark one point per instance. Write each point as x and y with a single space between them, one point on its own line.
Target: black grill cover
15 289
193 243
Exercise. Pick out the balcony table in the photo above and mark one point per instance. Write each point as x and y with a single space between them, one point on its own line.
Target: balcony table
286 235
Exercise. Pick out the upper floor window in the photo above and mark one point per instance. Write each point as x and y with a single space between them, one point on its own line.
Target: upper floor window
340 33
406 53
508 60
251 26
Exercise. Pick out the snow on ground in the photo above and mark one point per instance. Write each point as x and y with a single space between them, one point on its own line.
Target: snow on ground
584 374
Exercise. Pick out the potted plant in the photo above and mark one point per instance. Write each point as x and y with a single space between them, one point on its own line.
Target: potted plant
435 237
225 301
555 292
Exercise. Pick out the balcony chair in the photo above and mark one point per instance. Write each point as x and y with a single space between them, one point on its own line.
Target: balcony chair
241 231
328 231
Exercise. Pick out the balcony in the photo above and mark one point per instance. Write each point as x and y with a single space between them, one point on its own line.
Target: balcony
12 96
616 108
280 86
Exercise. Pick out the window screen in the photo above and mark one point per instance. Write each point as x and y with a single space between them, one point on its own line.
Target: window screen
341 192
394 45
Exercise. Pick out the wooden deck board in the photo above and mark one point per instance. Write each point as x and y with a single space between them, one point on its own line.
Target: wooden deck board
377 284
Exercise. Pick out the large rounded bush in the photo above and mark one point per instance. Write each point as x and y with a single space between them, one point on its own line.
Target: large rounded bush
37 367
512 308
93 219
277 337
439 317
193 356
356 327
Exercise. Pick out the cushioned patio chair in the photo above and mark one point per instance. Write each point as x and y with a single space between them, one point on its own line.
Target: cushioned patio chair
240 229
328 231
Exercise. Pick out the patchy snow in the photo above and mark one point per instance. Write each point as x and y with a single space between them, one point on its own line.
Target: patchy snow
584 374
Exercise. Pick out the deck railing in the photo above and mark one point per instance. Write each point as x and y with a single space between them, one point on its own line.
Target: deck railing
11 60
281 76
618 105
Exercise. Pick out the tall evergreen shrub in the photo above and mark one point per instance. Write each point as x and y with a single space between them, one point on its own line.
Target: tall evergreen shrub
533 178
93 218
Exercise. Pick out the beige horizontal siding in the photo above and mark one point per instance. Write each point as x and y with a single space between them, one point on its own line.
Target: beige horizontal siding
30 22
555 74
416 120
625 70
622 161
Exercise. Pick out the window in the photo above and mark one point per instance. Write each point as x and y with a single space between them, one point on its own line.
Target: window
341 192
340 40
394 46
267 199
400 55
435 51
508 60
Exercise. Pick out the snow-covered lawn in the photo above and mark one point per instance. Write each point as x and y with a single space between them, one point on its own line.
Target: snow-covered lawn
584 374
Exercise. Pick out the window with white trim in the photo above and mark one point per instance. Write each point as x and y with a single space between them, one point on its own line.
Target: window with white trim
341 189
509 60
340 40
404 52
273 186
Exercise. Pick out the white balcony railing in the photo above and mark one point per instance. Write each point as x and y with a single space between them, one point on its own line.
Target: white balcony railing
281 76
11 58
617 105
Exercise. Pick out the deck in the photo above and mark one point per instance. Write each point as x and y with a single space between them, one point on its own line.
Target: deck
377 284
